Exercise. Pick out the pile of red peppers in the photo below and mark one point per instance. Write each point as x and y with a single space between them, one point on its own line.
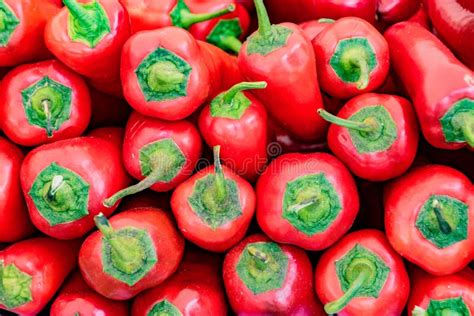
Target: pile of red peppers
236 157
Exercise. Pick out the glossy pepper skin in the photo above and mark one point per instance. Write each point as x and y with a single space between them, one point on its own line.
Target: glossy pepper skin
434 295
422 18
195 289
314 27
214 207
23 23
167 74
237 121
42 103
454 23
32 271
362 275
393 11
443 96
428 218
282 56
265 278
15 222
375 135
118 271
308 200
64 184
352 58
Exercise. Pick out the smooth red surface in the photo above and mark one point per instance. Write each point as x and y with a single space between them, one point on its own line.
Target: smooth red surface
313 28
422 18
397 10
111 134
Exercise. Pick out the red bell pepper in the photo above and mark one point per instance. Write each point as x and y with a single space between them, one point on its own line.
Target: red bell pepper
442 295
375 135
22 25
237 121
31 271
15 222
440 87
282 56
160 154
396 10
265 278
429 216
111 134
314 27
352 58
136 250
42 103
308 200
214 207
167 74
65 182
362 275
454 23
195 289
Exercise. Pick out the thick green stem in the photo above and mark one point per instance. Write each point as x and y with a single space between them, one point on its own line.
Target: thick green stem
56 184
465 122
264 25
47 112
230 43
188 18
360 126
339 304
418 311
164 77
220 185
363 65
444 226
230 94
107 230
82 16
261 258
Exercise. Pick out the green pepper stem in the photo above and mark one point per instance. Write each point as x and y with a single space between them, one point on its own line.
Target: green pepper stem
261 258
229 95
339 304
418 311
467 127
2 21
47 113
298 207
363 65
77 314
81 14
56 183
221 190
360 126
264 25
444 226
188 18
230 43
107 230
326 20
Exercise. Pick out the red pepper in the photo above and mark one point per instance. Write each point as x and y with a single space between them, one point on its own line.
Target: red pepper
375 135
454 23
396 10
237 121
214 207
314 27
265 278
429 216
195 289
352 58
42 103
308 200
136 250
21 32
167 74
77 298
111 134
31 271
441 88
442 295
15 222
422 18
282 56
362 275
160 154
65 182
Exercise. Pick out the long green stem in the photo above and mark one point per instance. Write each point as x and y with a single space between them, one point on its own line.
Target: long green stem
443 224
264 25
188 18
230 94
339 304
230 43
80 14
360 126
221 190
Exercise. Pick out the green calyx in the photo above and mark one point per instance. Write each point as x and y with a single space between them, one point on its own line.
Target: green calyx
181 15
458 122
163 75
262 267
164 308
8 23
160 161
372 129
310 203
215 199
361 273
233 103
88 23
225 35
128 254
60 195
47 104
353 61
447 307
443 220
15 286
269 37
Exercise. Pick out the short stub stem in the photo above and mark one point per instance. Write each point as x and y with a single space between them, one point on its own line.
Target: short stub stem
47 112
444 226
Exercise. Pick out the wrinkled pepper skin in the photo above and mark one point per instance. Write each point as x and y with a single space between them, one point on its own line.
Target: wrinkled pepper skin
165 251
15 222
393 293
89 170
393 11
291 295
17 115
438 92
427 288
352 58
316 186
37 267
454 23
190 72
25 42
443 244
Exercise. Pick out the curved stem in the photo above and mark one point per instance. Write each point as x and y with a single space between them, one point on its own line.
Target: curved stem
231 43
444 226
363 65
264 25
188 18
230 94
339 304
221 190
80 14
56 184
47 113
360 126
